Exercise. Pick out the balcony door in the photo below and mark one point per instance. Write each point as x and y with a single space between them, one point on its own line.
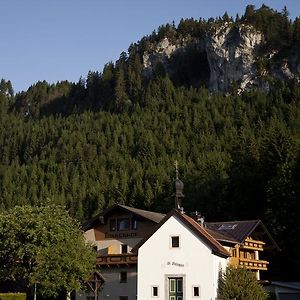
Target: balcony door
175 288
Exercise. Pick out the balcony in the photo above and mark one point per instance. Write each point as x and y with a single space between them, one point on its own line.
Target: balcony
251 244
116 260
250 264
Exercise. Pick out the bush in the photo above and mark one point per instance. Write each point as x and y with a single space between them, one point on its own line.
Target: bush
12 296
240 284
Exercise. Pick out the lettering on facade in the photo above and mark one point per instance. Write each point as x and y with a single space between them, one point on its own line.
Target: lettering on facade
120 235
173 263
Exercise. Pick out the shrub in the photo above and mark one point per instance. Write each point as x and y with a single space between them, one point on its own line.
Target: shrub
240 284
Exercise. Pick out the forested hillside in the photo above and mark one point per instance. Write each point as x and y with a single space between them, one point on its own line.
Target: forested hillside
114 136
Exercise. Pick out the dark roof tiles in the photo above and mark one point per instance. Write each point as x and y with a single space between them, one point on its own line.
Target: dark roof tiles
237 230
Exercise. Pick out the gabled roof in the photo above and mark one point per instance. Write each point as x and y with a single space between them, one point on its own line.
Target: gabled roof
144 214
200 232
237 231
149 215
221 237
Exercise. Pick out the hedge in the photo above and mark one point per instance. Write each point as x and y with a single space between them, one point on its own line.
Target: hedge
12 296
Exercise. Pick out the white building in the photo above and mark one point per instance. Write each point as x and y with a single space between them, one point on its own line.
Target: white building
179 260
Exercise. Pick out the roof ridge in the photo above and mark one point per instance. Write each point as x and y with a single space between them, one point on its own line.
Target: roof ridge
205 232
139 209
235 221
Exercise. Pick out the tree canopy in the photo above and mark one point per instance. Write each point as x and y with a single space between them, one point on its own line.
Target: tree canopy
43 246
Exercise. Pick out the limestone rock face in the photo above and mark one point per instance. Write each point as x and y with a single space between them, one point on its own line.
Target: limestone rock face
289 68
161 53
232 54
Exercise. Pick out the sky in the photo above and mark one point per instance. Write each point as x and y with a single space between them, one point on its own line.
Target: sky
56 40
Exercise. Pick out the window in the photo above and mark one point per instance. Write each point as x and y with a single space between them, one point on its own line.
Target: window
196 291
134 224
124 249
123 224
112 225
175 241
123 277
155 291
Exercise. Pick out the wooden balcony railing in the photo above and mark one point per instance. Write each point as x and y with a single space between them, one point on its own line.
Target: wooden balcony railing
116 260
250 264
253 264
252 244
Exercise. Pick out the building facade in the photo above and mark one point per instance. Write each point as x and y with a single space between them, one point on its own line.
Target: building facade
186 265
148 255
247 242
113 234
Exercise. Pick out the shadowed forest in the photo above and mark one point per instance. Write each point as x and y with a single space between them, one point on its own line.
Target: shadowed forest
113 137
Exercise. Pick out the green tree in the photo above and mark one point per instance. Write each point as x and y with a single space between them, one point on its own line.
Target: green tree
296 30
240 284
44 246
121 98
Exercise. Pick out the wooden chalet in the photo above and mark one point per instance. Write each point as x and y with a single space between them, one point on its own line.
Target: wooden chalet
246 241
113 233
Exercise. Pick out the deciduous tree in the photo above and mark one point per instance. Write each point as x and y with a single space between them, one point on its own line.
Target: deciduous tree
44 246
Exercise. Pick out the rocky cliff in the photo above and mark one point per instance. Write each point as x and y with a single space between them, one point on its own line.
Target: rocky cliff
235 56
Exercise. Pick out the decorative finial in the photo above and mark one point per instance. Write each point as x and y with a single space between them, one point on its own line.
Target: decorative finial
178 188
176 168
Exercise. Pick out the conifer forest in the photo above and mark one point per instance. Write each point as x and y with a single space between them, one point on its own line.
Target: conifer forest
113 137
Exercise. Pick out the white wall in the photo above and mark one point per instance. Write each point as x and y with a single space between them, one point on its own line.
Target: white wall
89 235
193 260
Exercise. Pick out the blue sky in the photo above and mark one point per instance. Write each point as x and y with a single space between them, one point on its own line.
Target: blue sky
55 40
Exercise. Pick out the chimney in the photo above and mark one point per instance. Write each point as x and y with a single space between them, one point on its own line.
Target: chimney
197 217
